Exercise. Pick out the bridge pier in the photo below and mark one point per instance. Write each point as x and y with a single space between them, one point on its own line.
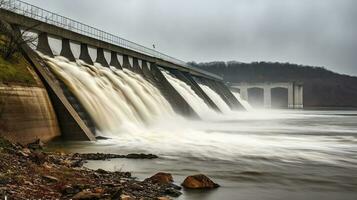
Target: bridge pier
136 66
43 46
101 58
84 54
114 60
66 50
267 97
126 62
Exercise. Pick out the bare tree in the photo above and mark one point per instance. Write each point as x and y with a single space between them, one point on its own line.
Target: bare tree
11 41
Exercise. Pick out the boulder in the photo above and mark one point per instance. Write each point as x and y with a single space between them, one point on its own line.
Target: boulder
161 178
199 181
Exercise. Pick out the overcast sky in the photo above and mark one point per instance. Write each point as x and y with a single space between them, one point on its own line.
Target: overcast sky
312 32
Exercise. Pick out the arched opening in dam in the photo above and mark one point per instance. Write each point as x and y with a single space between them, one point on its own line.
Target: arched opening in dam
279 98
256 97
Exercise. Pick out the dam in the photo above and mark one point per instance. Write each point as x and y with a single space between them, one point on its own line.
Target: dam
101 84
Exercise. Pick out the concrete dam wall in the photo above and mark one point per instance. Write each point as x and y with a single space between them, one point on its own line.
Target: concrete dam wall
101 88
27 114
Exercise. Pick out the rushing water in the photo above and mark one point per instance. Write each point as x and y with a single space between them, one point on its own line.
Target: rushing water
115 99
197 103
253 155
221 104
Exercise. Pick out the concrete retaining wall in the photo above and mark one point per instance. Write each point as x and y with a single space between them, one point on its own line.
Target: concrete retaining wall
27 114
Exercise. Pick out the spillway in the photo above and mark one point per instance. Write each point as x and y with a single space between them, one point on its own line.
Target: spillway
115 99
222 105
244 103
197 103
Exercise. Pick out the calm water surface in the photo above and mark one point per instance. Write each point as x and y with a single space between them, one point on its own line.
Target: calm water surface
252 155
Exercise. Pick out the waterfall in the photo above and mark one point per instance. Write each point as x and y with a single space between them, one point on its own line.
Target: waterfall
197 103
243 102
113 98
221 104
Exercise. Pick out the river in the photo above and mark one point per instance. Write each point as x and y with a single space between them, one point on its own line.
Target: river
276 154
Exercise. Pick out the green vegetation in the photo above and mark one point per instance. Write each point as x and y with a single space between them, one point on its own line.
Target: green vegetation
16 71
14 68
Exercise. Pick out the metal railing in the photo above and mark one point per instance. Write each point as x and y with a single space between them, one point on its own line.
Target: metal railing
34 12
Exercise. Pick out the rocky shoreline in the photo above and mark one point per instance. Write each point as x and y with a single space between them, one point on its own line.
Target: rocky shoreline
29 172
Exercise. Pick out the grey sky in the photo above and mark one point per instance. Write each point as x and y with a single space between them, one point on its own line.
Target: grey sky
313 32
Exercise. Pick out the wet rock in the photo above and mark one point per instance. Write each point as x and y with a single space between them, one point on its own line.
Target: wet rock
199 181
161 178
87 195
33 174
172 192
36 145
101 138
101 171
102 156
141 156
176 187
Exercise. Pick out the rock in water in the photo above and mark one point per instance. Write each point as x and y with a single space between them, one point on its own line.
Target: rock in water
199 181
161 178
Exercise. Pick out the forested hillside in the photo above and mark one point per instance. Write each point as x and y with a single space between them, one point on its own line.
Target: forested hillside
322 88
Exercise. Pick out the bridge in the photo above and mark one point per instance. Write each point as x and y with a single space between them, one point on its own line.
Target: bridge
109 50
261 93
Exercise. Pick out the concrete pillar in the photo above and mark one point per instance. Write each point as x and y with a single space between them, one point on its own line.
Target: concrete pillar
291 98
296 96
267 97
301 97
43 46
136 66
114 60
244 93
101 58
126 63
66 50
146 71
84 55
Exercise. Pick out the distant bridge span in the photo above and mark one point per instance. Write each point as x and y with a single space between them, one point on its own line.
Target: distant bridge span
295 92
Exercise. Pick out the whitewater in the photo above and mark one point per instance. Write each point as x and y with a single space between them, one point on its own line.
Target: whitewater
256 154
